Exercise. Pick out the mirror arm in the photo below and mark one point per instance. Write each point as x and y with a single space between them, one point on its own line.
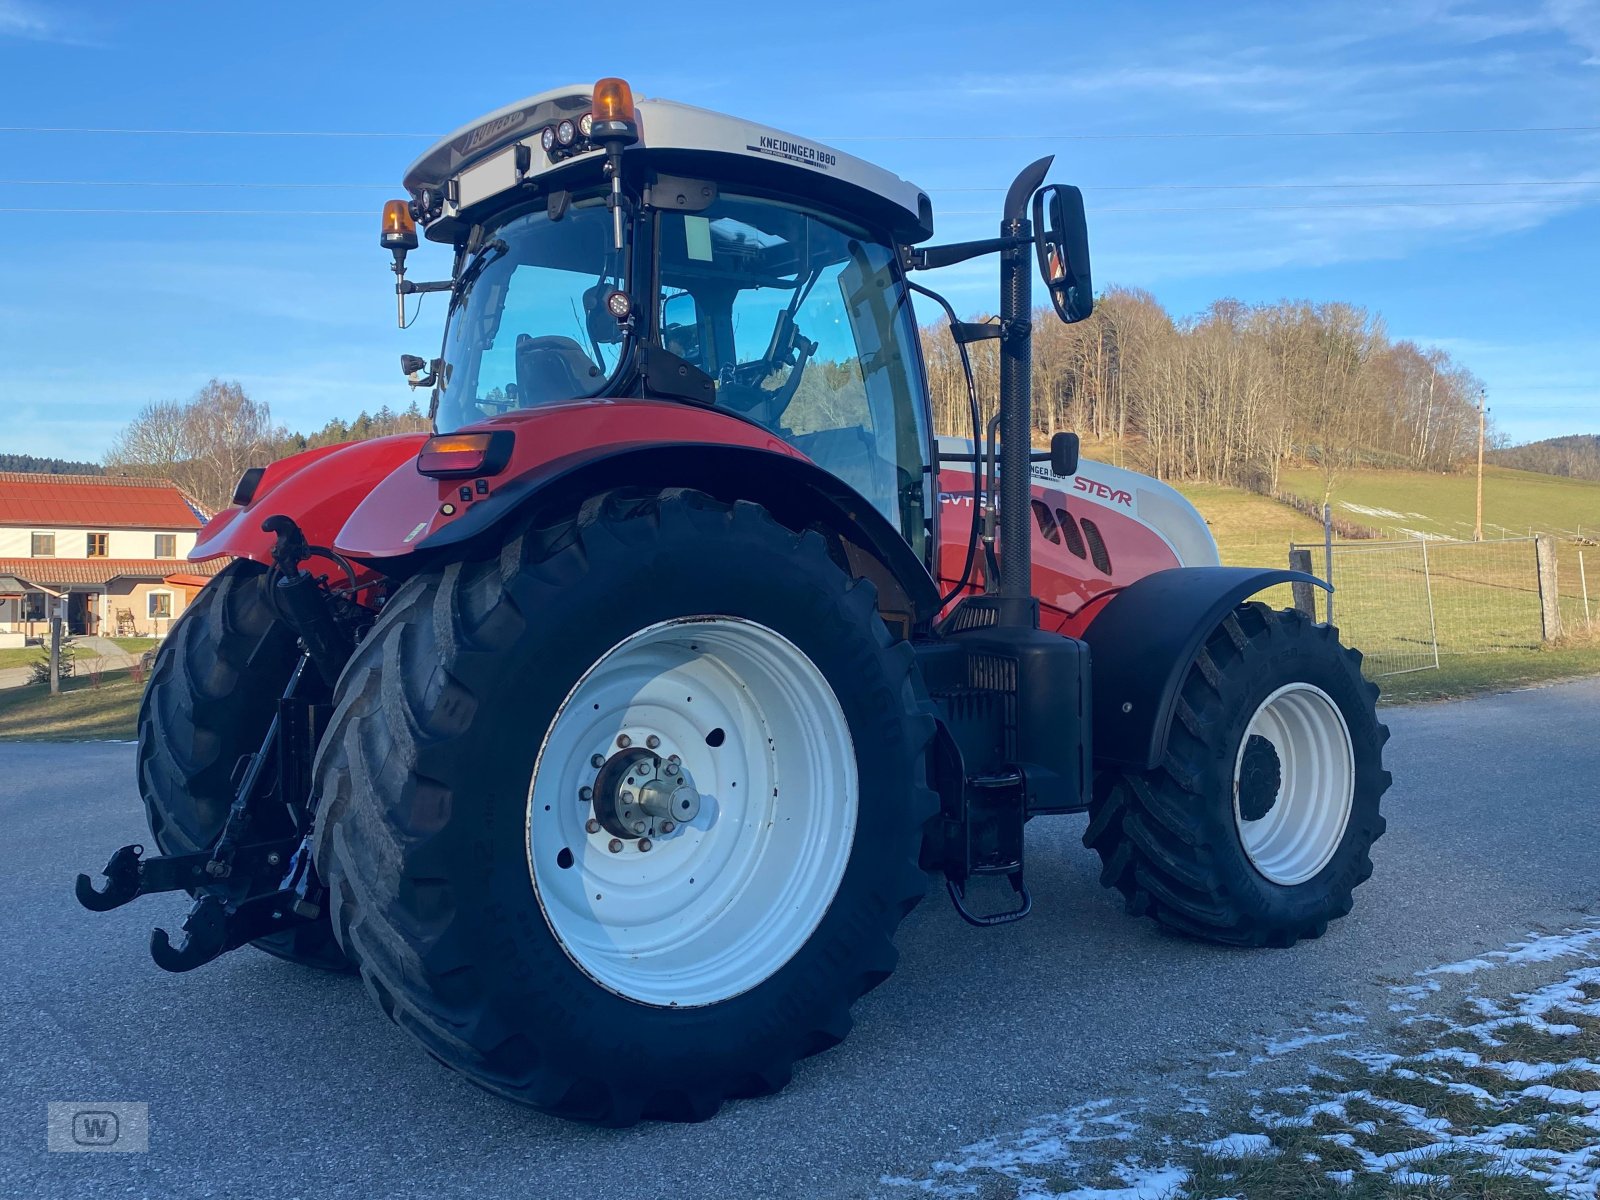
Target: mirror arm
924 258
406 288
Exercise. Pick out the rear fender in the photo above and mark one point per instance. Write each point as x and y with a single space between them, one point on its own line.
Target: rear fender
1142 642
318 488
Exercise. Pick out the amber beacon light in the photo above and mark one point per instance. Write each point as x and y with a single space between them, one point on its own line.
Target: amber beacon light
613 104
399 226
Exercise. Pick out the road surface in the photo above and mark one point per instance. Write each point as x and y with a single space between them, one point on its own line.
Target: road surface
264 1079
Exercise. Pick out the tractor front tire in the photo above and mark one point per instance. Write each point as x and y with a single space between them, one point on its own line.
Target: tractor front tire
1256 827
213 692
486 828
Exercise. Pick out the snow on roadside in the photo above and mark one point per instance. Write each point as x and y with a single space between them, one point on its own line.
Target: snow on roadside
1341 1122
1582 942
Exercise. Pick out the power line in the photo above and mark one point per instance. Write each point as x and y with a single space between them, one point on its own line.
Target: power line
1193 211
203 212
1252 187
1130 137
1093 187
269 133
180 183
855 137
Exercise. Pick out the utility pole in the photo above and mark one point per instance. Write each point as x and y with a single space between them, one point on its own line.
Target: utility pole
1483 420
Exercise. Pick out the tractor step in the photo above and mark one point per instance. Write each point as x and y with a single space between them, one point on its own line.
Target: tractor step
990 831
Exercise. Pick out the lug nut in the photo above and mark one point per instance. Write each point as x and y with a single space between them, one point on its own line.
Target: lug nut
627 797
667 827
586 794
644 845
639 826
598 760
624 740
652 741
672 768
615 846
591 825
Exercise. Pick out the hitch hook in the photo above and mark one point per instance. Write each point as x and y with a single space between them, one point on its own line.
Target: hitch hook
205 937
122 882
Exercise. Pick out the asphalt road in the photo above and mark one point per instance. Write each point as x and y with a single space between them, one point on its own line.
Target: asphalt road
265 1079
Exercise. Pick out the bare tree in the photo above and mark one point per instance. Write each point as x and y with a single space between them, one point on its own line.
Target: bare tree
202 444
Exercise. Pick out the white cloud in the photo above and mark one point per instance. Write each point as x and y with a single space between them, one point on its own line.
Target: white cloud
28 22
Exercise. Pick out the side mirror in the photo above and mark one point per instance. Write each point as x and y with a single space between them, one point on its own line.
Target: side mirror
1064 454
1061 236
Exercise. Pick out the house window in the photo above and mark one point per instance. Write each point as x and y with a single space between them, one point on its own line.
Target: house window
160 605
98 545
44 545
166 545
33 606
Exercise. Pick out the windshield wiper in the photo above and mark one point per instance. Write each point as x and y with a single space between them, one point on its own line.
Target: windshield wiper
492 252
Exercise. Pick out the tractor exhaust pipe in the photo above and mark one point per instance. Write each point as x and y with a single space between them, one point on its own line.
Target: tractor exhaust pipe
1016 399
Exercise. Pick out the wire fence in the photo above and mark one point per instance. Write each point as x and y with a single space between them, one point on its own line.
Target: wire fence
1407 604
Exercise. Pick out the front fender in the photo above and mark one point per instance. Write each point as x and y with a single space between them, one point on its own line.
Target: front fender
565 453
1142 643
319 488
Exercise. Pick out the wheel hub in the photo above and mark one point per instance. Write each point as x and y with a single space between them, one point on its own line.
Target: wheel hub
639 796
1260 778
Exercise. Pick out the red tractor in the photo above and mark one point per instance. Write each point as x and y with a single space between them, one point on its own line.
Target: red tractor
615 726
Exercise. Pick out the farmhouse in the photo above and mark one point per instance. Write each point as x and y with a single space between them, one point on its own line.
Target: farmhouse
110 550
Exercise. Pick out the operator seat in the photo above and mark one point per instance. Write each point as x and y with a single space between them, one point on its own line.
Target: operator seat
552 368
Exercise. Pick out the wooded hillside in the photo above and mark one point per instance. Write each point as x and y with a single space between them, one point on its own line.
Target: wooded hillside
1576 456
1234 394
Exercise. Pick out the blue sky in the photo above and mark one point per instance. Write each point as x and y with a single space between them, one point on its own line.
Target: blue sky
103 311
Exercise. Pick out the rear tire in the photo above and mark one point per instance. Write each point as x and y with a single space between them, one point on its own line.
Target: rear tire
1256 827
472 714
213 692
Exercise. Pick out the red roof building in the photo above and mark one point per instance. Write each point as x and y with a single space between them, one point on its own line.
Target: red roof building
109 552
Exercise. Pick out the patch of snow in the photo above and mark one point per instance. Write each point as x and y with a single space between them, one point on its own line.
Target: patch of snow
1366 510
1342 1016
1419 1178
1304 1037
1143 1183
1242 1145
1583 942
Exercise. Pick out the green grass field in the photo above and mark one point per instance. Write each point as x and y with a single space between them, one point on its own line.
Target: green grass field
81 713
1485 603
1406 504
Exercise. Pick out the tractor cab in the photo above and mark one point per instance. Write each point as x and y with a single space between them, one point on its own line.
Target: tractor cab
687 256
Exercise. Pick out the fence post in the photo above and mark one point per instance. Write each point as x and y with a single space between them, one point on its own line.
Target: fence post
1305 594
55 654
1427 586
1327 556
1583 582
1549 598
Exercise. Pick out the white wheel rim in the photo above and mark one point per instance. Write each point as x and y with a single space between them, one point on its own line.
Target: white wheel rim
1298 835
718 905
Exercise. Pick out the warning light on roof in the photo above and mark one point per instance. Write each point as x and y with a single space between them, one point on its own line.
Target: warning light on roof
399 226
613 100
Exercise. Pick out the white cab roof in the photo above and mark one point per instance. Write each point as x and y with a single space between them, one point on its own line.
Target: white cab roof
478 161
